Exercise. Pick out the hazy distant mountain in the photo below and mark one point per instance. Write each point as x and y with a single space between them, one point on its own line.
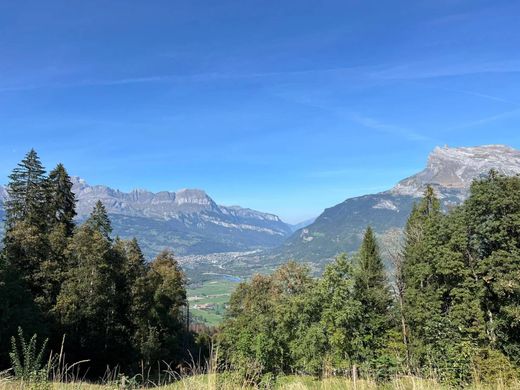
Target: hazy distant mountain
302 224
449 170
187 221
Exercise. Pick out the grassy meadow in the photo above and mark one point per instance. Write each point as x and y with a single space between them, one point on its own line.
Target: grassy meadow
215 293
217 381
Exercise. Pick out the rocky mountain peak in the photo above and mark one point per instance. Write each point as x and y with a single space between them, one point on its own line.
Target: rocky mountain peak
451 170
249 213
193 196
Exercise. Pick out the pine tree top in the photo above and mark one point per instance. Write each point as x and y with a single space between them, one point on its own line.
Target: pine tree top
99 220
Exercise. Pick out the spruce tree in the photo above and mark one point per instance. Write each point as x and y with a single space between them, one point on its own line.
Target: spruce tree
135 263
371 289
421 302
61 200
26 190
99 220
25 241
60 224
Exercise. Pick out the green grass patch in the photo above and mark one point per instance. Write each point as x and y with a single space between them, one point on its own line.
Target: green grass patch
208 300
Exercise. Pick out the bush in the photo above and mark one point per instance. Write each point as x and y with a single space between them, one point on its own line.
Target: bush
492 366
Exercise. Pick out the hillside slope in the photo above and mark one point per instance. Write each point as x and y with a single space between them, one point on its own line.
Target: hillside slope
449 170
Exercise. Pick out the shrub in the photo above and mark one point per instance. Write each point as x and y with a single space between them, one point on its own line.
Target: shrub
27 361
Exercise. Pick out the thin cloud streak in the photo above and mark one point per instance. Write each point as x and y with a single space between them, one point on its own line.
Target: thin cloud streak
423 70
406 71
372 123
469 93
486 120
201 77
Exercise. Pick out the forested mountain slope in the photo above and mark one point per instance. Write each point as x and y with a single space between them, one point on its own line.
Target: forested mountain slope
449 170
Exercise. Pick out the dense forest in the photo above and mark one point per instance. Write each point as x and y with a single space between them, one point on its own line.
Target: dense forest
59 279
448 308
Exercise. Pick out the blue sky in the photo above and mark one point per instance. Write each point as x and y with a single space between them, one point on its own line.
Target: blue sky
282 106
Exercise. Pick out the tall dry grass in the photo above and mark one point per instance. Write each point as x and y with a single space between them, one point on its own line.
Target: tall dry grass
216 382
207 375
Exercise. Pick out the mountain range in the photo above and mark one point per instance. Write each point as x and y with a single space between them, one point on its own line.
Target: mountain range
192 224
449 170
187 221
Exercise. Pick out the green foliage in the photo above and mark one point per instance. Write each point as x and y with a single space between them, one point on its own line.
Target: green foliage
372 291
17 308
167 285
88 306
56 278
289 322
459 301
458 295
492 366
61 202
26 191
341 312
461 275
264 318
27 360
99 221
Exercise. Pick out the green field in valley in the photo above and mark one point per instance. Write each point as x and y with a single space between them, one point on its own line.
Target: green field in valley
208 300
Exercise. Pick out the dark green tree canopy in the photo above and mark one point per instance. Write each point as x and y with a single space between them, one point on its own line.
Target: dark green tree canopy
56 279
26 192
99 221
61 201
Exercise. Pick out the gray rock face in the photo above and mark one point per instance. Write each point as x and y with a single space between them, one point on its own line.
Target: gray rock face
452 170
187 221
142 203
165 205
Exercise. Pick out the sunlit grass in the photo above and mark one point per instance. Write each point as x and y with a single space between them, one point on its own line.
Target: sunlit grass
216 382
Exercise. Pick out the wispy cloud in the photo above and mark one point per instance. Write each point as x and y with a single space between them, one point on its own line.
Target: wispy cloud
483 96
487 119
80 83
469 93
425 70
331 173
375 124
188 78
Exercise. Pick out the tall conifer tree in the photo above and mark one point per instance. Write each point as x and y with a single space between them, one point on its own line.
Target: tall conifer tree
99 221
61 201
25 241
373 292
26 190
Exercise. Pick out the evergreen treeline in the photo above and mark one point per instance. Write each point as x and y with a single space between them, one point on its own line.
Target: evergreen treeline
451 311
58 279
